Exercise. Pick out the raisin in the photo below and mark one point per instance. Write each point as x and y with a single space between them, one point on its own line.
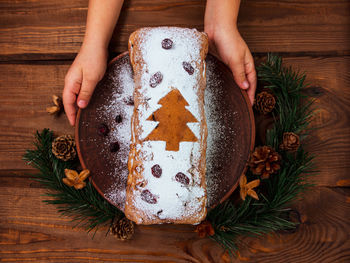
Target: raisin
156 170
156 79
167 43
114 147
159 212
129 101
182 178
153 117
148 197
118 118
102 129
188 67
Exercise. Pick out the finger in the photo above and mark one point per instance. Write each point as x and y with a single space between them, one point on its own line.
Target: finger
87 88
71 90
238 71
251 76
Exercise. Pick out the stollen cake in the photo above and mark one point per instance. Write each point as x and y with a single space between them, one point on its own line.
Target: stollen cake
166 181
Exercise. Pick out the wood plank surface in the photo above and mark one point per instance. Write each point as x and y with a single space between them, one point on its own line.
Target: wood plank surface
54 29
35 232
39 40
26 92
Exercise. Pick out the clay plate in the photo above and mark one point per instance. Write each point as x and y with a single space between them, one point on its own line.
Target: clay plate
230 120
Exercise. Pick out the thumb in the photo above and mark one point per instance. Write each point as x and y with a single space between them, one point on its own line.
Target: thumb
238 71
86 91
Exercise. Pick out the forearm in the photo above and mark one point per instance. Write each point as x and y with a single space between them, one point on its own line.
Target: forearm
221 15
101 20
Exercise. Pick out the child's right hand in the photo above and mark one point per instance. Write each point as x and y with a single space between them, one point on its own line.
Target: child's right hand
87 69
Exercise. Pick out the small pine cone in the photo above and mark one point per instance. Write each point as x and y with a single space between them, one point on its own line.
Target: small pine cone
264 161
264 102
123 229
291 142
63 147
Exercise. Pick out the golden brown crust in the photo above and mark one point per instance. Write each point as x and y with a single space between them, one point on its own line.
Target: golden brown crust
135 179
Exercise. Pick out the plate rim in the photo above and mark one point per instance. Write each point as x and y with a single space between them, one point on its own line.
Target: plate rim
233 188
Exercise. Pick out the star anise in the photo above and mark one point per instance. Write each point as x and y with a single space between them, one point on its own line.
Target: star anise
75 179
247 188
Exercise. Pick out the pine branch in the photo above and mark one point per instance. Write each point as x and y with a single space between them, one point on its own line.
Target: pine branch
87 207
271 212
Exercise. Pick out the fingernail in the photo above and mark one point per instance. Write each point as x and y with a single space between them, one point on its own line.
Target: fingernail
82 103
245 84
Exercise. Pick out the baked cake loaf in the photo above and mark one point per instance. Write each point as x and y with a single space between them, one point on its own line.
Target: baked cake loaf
166 182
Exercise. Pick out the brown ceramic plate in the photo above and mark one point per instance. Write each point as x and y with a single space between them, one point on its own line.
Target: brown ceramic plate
231 131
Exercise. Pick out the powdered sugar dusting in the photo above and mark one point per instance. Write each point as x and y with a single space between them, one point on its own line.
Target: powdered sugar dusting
218 132
174 200
119 104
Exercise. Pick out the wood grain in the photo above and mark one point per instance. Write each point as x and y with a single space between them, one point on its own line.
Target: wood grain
55 29
26 92
330 143
37 233
313 36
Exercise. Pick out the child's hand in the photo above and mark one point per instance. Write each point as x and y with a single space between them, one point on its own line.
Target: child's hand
220 23
235 53
87 69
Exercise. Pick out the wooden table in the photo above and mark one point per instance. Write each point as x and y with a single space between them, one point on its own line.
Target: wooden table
38 42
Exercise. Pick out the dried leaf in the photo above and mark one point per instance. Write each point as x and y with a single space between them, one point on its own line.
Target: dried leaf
68 182
53 109
79 186
75 179
71 174
253 184
57 100
253 194
247 188
83 175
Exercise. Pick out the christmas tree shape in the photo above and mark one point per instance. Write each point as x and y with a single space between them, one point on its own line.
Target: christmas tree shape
173 118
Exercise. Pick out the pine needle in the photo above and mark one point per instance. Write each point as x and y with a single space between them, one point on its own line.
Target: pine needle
86 207
271 212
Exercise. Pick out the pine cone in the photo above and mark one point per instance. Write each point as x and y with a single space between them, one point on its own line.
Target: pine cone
264 161
123 229
63 147
291 142
264 102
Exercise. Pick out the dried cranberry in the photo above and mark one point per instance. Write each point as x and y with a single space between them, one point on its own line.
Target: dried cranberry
167 43
118 118
114 147
156 170
148 197
182 178
188 67
102 129
156 79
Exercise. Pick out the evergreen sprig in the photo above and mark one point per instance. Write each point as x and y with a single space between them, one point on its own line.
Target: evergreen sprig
86 207
271 213
230 220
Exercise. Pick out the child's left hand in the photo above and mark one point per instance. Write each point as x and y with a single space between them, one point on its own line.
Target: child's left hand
235 53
